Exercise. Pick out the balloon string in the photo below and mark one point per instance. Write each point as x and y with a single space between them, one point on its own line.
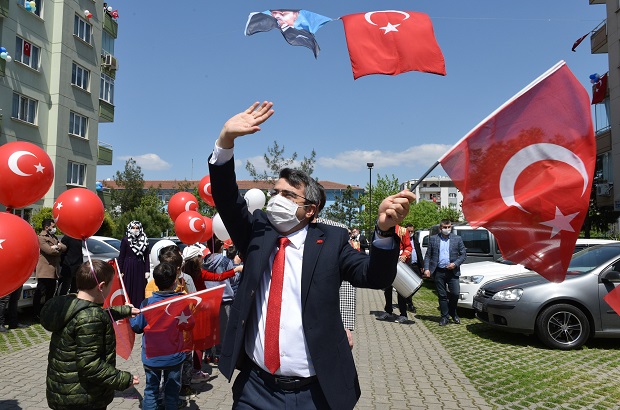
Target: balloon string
90 261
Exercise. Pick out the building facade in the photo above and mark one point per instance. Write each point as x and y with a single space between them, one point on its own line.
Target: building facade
438 189
59 85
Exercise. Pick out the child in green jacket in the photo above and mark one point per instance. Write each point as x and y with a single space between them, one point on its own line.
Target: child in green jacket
81 371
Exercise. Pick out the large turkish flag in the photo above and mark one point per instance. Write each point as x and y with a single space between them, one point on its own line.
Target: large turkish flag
526 172
392 42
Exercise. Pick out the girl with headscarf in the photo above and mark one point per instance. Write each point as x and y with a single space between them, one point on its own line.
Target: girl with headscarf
133 261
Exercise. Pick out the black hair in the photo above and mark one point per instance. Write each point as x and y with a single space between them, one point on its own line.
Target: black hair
164 275
46 222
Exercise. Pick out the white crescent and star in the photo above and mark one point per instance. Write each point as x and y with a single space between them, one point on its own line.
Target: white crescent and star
188 204
530 155
182 317
389 27
206 187
12 162
192 222
2 240
59 205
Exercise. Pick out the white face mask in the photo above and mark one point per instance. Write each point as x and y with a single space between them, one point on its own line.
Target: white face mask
134 232
446 232
53 231
282 213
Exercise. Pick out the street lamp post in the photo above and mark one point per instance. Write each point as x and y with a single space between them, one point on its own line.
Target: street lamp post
370 225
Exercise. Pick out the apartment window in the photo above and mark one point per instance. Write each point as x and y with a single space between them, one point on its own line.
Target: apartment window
80 76
82 28
27 53
24 108
76 173
107 43
39 4
77 124
106 91
24 213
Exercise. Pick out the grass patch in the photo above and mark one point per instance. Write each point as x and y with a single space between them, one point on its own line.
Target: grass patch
517 371
17 339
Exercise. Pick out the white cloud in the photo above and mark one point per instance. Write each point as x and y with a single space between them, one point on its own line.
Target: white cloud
149 162
355 160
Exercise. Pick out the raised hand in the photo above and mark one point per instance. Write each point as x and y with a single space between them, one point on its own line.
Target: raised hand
244 123
394 209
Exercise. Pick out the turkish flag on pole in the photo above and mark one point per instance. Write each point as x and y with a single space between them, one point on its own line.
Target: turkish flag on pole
599 91
578 41
392 42
27 47
125 336
183 323
526 172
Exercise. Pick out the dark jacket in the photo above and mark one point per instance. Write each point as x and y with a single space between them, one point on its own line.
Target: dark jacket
81 371
457 252
327 260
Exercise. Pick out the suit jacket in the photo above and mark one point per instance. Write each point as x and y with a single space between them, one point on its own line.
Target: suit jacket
458 253
49 258
328 259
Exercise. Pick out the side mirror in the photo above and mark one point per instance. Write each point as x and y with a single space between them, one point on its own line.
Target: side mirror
611 276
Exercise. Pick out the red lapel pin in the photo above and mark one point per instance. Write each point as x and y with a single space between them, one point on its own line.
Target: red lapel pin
319 241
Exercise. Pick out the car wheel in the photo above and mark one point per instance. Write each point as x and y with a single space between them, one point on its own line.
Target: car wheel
563 327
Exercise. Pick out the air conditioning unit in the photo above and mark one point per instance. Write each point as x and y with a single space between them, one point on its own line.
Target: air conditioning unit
603 189
110 61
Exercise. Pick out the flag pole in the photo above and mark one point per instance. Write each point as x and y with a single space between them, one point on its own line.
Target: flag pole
118 269
412 189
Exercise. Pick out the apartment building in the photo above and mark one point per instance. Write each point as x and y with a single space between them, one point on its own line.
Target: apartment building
59 85
438 189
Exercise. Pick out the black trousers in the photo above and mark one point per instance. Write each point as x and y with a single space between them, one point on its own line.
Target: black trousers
8 308
402 302
45 287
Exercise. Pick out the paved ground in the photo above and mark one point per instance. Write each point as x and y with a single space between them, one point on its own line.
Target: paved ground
399 366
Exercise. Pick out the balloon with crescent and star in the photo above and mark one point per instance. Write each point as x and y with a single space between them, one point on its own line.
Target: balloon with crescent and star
19 252
204 190
27 174
189 227
78 212
181 202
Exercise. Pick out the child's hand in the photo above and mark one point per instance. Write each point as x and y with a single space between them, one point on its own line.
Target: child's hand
134 311
135 380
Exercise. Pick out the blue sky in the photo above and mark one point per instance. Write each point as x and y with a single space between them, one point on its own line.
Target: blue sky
184 69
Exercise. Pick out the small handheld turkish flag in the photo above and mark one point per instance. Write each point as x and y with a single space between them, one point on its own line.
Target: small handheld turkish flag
526 172
125 337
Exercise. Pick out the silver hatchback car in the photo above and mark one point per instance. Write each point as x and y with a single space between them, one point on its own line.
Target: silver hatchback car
563 315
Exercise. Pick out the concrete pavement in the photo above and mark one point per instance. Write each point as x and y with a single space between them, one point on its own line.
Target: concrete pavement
399 367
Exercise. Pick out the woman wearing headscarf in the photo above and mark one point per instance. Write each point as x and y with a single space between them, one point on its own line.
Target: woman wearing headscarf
134 261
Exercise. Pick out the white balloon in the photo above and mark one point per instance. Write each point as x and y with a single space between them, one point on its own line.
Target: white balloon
219 229
255 198
86 13
9 59
110 9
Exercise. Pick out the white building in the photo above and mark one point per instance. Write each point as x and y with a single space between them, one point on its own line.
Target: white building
438 189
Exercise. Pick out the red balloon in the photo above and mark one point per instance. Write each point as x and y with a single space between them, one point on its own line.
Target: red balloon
181 202
204 189
78 213
27 174
208 229
189 227
19 252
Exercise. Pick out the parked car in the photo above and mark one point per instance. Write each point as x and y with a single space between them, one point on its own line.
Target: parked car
98 248
113 242
474 275
480 242
563 315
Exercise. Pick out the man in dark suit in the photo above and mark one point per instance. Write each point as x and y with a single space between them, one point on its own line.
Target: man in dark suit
444 257
304 361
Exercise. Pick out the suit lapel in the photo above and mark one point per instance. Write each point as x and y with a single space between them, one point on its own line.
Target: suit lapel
312 251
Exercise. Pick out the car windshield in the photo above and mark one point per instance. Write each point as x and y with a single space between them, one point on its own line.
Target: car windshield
97 247
115 243
589 259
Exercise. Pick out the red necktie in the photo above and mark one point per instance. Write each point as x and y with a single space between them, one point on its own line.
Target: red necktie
274 305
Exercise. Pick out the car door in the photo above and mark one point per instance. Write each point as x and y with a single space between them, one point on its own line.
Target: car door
610 320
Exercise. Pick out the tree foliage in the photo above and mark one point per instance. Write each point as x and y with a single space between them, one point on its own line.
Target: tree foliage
275 161
36 220
384 187
108 227
345 209
155 221
131 180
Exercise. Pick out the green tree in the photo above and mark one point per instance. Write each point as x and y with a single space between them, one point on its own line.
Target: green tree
131 182
275 161
423 215
452 214
383 188
108 227
345 209
155 221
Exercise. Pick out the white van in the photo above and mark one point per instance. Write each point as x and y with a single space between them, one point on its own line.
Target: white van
480 243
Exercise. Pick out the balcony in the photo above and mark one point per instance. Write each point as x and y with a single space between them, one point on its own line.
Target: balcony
104 156
106 111
4 8
597 2
598 39
109 25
